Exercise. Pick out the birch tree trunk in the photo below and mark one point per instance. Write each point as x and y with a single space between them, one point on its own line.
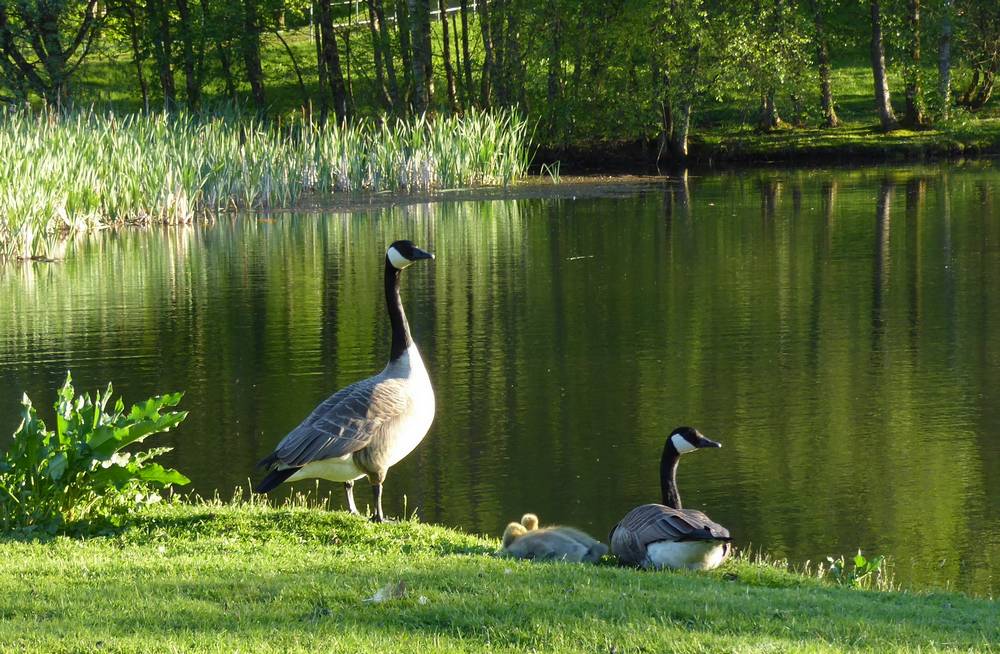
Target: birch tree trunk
420 17
914 101
554 56
944 62
823 63
882 100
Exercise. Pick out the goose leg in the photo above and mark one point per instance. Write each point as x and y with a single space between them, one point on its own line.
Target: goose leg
351 506
377 491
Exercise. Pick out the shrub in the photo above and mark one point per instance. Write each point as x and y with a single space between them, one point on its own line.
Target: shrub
78 475
866 574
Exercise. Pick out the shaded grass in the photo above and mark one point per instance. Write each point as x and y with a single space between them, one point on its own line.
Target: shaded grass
850 140
252 578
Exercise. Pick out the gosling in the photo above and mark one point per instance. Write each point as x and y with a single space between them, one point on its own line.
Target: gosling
524 540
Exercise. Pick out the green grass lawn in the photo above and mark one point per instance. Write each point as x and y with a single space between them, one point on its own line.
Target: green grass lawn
256 579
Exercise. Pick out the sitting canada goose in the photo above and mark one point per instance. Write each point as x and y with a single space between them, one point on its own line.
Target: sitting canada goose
366 427
524 540
658 536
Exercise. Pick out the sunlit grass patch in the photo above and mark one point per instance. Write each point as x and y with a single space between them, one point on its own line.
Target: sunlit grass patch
247 576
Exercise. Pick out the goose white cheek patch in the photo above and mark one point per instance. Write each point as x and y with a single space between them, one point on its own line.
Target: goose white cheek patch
681 444
397 260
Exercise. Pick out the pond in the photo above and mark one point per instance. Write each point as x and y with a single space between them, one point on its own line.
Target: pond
837 330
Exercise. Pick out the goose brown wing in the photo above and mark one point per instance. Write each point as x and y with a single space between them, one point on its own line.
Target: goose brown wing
652 523
345 422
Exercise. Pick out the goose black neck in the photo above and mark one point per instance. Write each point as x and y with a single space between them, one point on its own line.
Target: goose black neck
401 340
668 476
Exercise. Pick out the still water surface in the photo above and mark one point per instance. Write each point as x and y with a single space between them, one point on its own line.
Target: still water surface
838 331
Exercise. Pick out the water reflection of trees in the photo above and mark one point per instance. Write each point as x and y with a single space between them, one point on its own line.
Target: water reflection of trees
846 362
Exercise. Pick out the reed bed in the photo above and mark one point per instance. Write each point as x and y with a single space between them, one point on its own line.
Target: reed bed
71 172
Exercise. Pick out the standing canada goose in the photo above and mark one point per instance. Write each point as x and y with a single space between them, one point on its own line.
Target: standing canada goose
666 535
524 540
367 427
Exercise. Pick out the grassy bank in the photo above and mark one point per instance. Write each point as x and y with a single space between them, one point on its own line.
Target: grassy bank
250 578
856 142
83 171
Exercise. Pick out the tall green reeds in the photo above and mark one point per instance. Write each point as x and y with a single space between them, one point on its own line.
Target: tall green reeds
69 172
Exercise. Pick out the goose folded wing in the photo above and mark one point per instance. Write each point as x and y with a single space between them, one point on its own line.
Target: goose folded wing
653 523
345 422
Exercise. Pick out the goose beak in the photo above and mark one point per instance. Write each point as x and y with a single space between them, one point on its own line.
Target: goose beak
419 254
708 442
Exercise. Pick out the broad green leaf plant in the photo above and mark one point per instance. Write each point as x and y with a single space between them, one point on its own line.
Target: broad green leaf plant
78 475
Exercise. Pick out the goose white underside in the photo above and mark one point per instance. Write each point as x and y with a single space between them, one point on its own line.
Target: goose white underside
690 554
412 426
340 468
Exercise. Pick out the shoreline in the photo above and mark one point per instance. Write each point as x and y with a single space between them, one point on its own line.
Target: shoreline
798 147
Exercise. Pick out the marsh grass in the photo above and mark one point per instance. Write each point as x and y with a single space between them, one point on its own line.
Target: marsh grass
79 171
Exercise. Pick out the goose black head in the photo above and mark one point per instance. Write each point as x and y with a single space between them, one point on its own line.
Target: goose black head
687 439
402 253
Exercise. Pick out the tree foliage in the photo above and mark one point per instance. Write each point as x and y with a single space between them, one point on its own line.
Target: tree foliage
585 71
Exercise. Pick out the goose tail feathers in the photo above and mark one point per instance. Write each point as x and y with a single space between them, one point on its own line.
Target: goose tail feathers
274 479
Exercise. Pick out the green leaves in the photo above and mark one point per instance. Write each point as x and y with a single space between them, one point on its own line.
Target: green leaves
80 472
866 574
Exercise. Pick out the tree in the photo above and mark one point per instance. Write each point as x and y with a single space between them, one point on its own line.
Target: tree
914 116
330 61
683 44
822 46
250 46
882 100
466 58
219 24
380 53
188 34
43 43
420 31
766 45
405 50
980 42
161 36
449 71
385 46
133 30
944 61
489 58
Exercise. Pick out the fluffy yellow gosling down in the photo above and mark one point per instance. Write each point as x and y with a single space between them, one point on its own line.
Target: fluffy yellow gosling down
524 540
